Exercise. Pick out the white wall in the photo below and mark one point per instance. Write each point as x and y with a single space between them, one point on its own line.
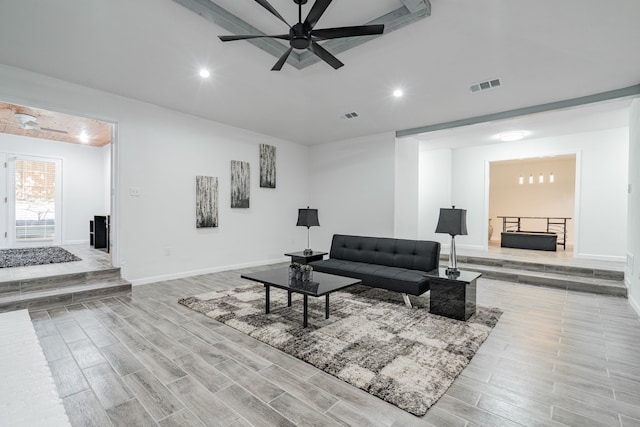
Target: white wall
601 182
85 170
407 185
161 152
435 191
352 185
632 272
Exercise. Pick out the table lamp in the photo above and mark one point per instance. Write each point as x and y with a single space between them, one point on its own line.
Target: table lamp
454 223
308 218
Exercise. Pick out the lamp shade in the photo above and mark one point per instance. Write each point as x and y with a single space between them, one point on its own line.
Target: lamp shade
308 218
452 221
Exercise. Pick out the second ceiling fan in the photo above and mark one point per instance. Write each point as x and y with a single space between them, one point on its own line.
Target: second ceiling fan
303 35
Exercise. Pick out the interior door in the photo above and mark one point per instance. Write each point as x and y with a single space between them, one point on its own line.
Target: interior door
33 201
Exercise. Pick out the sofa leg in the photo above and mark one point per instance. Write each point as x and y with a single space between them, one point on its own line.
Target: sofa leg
407 301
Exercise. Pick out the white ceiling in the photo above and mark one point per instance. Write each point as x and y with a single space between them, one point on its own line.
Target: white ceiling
151 50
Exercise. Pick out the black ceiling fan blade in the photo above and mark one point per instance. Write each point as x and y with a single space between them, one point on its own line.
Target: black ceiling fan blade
316 12
233 38
335 33
267 5
282 60
324 54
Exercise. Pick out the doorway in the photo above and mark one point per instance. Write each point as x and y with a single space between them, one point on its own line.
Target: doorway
533 190
58 176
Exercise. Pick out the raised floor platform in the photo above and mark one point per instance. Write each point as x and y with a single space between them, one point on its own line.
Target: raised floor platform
51 285
552 269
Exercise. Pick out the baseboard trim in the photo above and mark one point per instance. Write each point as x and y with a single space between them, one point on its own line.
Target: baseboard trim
183 274
621 258
75 242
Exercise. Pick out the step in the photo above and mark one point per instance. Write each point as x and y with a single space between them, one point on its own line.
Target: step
540 267
55 297
569 281
37 284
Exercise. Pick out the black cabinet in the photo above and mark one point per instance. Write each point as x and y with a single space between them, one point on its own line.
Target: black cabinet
99 232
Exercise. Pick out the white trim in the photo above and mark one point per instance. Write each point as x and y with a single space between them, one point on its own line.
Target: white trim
616 258
487 193
114 220
183 274
577 190
634 304
76 242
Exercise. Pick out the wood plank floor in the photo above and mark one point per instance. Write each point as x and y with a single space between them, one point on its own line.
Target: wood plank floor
555 358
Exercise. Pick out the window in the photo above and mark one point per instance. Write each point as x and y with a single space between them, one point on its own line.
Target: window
35 202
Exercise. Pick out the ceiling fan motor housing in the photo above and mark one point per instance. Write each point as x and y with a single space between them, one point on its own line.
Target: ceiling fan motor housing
300 36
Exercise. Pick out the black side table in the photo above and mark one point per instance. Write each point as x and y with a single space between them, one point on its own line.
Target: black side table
453 297
301 258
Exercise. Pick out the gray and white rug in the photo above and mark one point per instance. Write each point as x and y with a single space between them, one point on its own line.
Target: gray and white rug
35 256
405 356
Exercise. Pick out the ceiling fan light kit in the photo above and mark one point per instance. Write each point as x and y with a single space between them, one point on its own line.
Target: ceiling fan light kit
303 36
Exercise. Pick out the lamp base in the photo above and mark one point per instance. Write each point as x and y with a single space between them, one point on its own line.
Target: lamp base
308 252
452 272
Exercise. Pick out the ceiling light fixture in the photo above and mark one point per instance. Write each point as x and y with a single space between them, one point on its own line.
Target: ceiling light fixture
512 136
204 73
398 93
83 137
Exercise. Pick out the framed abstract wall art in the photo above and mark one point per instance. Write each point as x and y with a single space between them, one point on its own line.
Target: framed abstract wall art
240 184
206 201
267 166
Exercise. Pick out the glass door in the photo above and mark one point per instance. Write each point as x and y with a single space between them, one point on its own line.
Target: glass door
34 201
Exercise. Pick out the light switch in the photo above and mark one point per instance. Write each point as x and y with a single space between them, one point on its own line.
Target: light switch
134 191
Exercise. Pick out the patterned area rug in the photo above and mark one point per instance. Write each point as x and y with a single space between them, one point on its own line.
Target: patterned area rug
35 256
405 356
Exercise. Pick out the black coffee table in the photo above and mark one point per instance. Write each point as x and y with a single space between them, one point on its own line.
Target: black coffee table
321 284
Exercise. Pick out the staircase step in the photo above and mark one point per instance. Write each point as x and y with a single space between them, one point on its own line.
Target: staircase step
38 284
53 297
568 281
540 267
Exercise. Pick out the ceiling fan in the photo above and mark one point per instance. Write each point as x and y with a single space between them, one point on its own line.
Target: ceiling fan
29 122
303 35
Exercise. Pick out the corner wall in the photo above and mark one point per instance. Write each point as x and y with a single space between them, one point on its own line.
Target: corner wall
160 152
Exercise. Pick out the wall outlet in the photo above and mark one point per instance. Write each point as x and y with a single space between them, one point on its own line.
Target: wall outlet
134 191
166 251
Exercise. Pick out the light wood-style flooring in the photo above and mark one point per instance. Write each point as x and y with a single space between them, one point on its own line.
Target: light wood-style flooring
555 358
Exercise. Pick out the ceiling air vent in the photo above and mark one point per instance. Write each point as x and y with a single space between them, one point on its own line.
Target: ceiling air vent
489 84
351 115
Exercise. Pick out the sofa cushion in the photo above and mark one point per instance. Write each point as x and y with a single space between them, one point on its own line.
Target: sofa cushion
410 254
414 282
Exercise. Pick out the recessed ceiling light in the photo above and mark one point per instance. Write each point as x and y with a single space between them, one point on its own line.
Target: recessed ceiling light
204 73
83 137
512 136
397 93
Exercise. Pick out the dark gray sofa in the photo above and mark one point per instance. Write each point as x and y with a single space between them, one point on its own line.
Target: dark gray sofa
396 264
